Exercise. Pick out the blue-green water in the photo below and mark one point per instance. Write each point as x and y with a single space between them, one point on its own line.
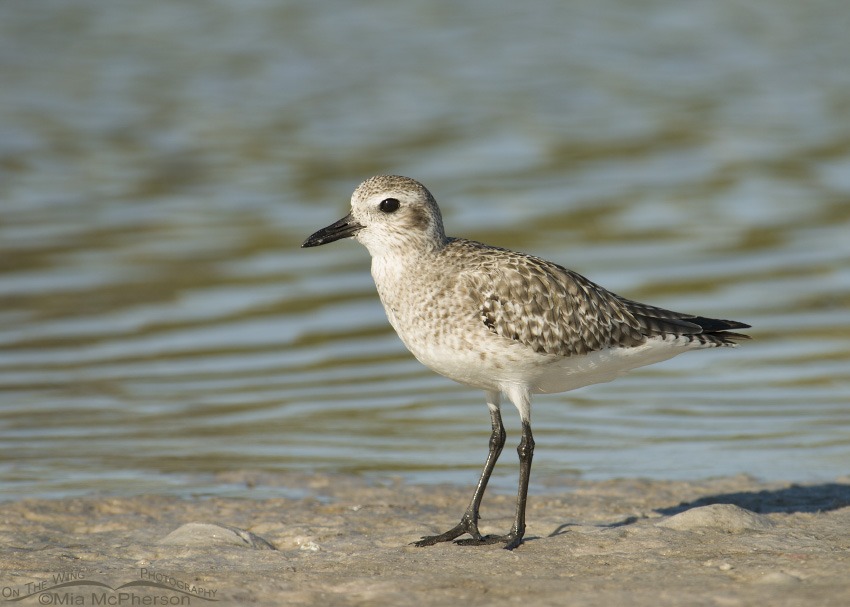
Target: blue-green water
161 162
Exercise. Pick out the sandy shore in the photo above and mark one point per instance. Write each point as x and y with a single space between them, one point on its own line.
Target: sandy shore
725 542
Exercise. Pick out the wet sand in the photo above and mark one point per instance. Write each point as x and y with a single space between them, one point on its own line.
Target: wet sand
731 541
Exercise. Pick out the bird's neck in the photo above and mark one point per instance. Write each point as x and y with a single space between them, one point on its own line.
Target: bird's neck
391 267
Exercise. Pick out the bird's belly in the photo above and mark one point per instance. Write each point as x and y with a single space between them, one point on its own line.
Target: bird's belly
569 373
495 364
475 366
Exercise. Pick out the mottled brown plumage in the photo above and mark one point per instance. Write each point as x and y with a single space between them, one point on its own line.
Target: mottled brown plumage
553 310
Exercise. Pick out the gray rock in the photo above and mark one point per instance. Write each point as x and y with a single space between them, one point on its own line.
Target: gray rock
215 534
720 517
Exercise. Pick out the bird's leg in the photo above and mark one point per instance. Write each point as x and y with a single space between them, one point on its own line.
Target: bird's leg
525 450
469 520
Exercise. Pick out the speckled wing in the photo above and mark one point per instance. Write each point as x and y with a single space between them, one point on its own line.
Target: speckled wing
556 311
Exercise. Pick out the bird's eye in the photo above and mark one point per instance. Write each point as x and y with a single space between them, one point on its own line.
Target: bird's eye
389 205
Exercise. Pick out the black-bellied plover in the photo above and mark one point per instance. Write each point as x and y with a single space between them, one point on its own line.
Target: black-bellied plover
504 322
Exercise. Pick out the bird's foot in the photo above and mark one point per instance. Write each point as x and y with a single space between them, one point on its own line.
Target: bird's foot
511 540
466 525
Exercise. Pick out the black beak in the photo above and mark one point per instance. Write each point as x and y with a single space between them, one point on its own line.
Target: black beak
344 228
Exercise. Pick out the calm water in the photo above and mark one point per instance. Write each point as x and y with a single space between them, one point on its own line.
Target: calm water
161 162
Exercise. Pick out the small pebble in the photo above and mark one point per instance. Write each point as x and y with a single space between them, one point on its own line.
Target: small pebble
778 577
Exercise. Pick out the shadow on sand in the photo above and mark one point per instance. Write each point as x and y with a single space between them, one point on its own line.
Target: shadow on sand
796 498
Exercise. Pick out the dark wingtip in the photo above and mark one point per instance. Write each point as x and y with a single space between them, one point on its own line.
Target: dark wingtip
717 325
719 329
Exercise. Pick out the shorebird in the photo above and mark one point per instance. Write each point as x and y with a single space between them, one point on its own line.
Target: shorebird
504 322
